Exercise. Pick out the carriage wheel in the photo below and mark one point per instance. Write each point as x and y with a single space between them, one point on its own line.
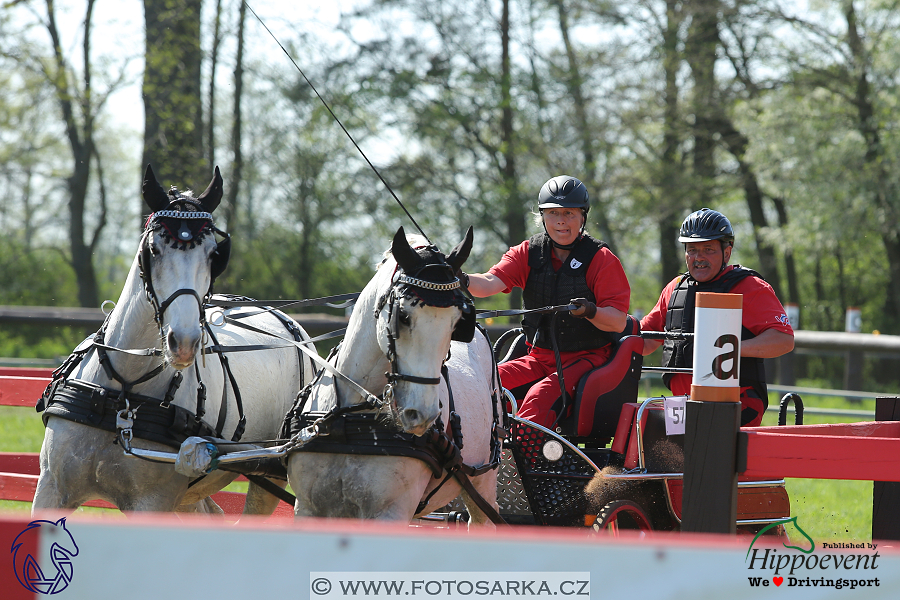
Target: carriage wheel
622 514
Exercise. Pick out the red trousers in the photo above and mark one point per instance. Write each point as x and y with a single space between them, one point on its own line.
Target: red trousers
533 380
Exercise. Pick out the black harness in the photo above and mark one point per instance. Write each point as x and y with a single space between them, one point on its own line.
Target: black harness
184 223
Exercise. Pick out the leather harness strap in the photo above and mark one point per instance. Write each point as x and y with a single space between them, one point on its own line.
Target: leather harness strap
478 499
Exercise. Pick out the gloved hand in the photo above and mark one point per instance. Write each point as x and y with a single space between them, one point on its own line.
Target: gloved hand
586 309
463 280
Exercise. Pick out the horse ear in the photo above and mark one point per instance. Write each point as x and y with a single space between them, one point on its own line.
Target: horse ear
213 195
458 255
403 253
152 192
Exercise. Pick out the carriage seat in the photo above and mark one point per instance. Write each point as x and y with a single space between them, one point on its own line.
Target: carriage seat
600 394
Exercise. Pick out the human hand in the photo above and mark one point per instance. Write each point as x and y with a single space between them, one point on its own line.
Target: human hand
585 308
463 279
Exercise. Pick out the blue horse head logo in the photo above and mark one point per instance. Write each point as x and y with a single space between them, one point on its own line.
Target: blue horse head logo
45 579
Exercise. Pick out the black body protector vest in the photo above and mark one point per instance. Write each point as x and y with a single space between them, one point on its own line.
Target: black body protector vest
680 319
546 287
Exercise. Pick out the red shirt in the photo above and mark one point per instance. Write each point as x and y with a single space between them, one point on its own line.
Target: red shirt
761 311
605 276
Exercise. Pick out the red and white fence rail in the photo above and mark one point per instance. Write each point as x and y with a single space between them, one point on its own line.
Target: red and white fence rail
204 558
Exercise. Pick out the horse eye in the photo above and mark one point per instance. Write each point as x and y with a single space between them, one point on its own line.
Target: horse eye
154 248
404 317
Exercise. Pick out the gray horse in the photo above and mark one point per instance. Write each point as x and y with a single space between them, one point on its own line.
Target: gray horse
402 324
158 335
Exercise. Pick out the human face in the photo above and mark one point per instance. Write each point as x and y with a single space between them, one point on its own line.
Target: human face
563 224
705 259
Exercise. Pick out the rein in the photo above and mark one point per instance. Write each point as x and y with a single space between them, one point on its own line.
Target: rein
487 314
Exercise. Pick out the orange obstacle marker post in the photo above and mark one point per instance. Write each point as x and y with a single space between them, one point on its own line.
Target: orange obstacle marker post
713 417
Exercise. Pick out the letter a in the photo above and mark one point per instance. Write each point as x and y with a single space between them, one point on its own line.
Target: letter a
732 355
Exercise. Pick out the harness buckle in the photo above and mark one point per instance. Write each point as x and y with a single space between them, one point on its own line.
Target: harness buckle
388 394
125 425
317 430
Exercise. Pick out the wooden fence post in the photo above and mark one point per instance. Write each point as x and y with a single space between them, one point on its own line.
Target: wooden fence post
886 494
710 476
712 417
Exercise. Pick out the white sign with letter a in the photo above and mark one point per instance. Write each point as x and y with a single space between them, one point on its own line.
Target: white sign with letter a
717 340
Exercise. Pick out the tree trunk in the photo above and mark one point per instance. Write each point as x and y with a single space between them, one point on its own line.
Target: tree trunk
671 183
81 142
237 169
737 143
173 114
793 284
884 191
514 217
214 61
575 85
700 52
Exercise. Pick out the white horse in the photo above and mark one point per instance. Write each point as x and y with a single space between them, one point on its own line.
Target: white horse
397 339
152 348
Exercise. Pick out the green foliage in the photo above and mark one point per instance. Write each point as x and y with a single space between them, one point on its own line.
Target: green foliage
267 267
39 277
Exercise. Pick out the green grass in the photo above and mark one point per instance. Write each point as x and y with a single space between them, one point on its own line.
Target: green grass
828 510
21 429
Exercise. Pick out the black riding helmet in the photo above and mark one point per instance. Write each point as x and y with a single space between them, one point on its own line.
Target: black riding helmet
564 191
705 225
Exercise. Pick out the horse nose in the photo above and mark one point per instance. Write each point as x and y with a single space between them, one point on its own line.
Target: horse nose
414 421
182 348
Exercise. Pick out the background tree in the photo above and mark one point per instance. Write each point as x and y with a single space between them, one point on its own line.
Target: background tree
173 113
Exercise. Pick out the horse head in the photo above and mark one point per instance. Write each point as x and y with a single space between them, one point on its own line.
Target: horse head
179 260
417 316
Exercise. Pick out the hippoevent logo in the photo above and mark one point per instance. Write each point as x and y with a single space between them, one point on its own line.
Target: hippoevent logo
51 573
806 568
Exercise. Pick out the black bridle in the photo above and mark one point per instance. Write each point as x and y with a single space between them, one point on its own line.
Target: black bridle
194 224
415 286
